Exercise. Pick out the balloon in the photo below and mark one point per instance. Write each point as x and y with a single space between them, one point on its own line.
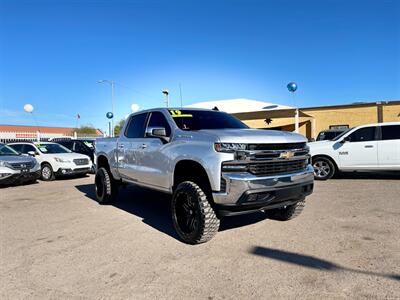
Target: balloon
134 107
292 87
28 108
109 115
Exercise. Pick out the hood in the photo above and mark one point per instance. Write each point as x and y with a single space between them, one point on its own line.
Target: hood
69 156
17 158
315 147
254 136
318 143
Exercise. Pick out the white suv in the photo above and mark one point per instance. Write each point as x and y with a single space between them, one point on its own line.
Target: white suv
55 159
373 147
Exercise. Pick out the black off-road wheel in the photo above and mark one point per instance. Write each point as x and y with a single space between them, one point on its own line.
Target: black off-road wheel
324 168
106 187
193 217
46 173
286 213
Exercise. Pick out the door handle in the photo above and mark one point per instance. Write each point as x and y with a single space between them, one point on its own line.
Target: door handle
121 146
368 146
143 146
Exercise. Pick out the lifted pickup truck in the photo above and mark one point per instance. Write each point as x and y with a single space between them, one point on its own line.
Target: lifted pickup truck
212 164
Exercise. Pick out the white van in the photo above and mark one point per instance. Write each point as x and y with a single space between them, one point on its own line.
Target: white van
373 147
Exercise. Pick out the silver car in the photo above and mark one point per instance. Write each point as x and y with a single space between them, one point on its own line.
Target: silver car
17 168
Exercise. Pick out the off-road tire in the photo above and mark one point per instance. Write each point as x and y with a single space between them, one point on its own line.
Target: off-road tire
326 166
206 223
106 187
46 172
286 213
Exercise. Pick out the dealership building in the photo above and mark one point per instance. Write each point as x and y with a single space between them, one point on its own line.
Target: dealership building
311 120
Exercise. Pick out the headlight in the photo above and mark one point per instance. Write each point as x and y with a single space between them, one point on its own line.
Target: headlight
57 159
229 147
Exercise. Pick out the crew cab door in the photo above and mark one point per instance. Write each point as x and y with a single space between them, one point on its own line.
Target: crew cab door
359 149
128 147
154 162
389 147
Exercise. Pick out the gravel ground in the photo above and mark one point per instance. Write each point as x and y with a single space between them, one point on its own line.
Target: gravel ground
57 242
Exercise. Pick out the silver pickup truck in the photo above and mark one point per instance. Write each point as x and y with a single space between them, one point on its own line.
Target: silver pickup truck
212 164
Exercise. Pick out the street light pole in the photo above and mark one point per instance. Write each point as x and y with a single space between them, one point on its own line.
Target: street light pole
112 105
166 93
292 87
112 83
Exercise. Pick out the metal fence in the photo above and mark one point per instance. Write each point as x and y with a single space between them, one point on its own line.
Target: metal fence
8 136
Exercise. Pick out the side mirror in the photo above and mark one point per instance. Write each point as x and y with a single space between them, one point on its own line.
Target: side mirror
157 132
346 140
31 153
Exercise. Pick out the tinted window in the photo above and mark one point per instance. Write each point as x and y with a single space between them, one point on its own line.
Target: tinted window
136 126
17 147
28 148
80 147
157 119
205 119
6 150
391 132
67 144
363 135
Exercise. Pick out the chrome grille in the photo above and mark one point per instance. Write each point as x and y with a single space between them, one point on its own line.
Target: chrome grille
274 147
22 165
276 167
81 161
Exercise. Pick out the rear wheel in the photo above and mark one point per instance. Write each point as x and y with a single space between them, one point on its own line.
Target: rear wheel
193 217
106 187
47 173
286 213
323 168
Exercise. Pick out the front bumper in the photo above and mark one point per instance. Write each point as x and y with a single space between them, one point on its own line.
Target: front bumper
245 192
20 178
76 171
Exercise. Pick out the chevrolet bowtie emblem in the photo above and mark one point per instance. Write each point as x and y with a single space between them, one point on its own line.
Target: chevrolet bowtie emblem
288 154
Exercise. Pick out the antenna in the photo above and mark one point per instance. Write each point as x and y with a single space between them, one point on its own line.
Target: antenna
180 94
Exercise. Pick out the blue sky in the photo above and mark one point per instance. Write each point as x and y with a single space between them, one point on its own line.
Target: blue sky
53 52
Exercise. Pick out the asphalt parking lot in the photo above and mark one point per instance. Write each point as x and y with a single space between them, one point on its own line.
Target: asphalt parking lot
57 242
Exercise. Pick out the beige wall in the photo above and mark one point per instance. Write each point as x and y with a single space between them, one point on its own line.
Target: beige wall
391 113
324 117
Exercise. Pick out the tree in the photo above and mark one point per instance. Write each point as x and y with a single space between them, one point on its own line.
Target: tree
118 127
86 129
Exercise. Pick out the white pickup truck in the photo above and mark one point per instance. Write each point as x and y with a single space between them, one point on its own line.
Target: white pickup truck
372 147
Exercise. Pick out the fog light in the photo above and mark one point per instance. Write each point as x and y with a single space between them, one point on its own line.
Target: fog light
64 171
252 197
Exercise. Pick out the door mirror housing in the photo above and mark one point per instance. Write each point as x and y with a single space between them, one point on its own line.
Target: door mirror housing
157 132
346 140
31 153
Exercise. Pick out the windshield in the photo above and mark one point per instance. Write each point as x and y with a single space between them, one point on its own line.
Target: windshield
188 120
328 135
52 148
6 150
89 143
342 134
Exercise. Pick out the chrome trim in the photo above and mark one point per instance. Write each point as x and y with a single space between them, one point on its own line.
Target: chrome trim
238 183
